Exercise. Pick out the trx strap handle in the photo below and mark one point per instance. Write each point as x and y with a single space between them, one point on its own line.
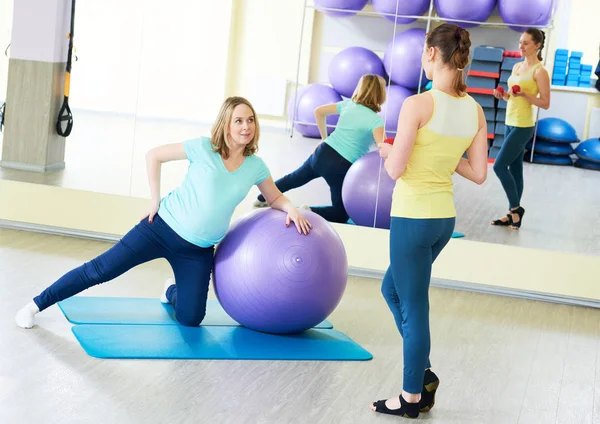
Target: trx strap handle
64 123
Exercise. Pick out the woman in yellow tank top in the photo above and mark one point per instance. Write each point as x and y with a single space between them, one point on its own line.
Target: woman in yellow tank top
434 131
533 80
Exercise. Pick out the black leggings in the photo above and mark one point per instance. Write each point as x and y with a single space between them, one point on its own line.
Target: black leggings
327 163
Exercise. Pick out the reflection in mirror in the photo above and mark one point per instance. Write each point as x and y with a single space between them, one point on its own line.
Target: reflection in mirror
343 173
102 98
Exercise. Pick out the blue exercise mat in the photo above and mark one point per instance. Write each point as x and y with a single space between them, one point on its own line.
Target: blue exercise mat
142 311
456 234
220 342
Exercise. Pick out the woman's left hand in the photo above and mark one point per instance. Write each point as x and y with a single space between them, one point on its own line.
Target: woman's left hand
384 150
299 220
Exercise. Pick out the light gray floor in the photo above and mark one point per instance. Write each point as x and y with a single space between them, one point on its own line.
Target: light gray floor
105 153
500 360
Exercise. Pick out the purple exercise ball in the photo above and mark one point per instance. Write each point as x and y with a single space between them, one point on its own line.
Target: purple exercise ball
367 192
390 110
309 98
349 65
270 278
531 12
402 58
397 8
474 10
352 6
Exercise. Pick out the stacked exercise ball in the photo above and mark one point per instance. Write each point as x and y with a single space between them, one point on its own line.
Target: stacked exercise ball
393 9
309 98
553 142
588 153
349 65
270 278
477 10
526 13
344 8
400 66
402 58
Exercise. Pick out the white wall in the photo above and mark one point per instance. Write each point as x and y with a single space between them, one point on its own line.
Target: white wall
151 58
6 14
267 43
584 34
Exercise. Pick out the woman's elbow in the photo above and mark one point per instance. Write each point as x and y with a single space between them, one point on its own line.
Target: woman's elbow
480 179
395 173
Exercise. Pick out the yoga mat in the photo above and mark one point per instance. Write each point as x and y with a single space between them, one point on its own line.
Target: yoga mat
456 234
218 342
143 311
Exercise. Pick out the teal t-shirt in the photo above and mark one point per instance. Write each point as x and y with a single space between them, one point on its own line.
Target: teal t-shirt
200 209
353 134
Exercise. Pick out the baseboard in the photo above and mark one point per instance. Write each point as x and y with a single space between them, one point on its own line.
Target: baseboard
32 168
354 271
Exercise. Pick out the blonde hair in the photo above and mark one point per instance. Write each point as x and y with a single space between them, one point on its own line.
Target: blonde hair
370 92
220 129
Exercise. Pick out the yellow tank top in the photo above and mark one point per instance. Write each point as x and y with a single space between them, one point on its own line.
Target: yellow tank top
425 189
519 112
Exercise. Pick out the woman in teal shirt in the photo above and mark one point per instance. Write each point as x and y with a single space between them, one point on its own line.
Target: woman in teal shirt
358 126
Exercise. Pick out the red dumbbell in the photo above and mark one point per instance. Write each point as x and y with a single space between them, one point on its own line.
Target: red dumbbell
389 140
500 90
516 89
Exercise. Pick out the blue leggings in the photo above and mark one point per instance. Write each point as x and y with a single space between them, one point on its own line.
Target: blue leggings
191 264
414 246
508 165
327 163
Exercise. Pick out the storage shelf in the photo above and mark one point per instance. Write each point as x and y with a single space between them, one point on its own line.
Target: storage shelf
493 22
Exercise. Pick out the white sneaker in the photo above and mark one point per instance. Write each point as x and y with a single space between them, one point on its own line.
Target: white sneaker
163 296
25 316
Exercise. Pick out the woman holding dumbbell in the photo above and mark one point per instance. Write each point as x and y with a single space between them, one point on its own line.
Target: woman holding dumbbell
529 85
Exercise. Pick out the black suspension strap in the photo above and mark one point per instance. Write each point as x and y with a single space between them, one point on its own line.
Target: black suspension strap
64 123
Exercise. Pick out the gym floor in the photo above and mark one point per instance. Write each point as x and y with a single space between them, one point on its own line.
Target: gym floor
105 153
500 359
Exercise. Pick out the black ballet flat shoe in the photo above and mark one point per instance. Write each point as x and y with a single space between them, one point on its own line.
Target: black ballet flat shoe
520 212
406 410
430 385
501 223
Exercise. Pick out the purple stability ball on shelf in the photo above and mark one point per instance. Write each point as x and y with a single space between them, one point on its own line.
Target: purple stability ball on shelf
367 192
348 66
402 58
270 278
309 98
473 10
352 7
394 8
530 12
390 110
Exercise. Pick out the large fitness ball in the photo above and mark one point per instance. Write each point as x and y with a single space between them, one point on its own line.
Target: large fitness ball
473 10
348 66
309 98
390 110
556 130
530 12
367 192
402 58
270 278
350 7
392 9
